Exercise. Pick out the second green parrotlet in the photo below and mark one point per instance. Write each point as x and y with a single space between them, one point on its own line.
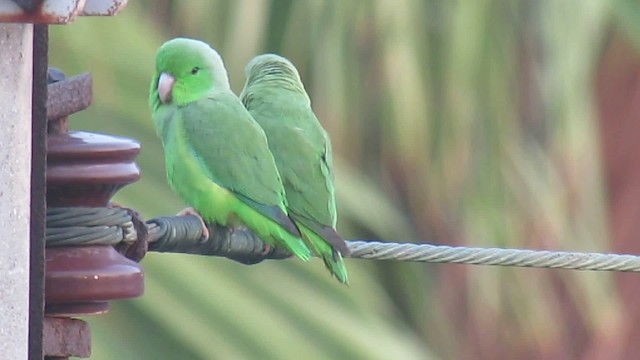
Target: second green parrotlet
277 100
216 155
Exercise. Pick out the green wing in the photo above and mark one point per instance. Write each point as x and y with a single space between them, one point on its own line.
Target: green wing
303 154
232 149
300 152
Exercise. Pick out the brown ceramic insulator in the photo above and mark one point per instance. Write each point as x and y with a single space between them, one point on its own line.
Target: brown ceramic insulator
86 169
83 279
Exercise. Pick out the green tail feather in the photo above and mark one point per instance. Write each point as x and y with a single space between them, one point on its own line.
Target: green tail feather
290 242
273 233
335 264
331 257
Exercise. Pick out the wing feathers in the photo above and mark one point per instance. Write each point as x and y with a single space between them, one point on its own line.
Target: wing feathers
326 232
272 212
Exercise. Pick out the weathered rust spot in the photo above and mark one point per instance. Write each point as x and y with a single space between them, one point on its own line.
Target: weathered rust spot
40 11
56 11
67 97
64 337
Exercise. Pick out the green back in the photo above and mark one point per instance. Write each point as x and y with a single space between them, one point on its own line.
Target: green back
301 149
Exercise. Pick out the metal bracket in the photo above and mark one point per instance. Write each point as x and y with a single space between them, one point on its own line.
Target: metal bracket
56 11
66 96
64 337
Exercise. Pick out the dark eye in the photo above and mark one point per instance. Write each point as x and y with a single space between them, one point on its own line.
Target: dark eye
195 70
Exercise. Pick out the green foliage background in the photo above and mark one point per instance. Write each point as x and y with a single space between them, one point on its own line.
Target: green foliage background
456 122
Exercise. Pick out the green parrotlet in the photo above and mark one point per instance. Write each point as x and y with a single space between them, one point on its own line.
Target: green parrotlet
216 155
277 100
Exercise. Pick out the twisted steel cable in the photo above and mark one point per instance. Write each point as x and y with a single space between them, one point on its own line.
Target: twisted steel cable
183 234
374 250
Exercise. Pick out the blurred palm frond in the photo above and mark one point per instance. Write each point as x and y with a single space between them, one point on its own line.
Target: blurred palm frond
467 122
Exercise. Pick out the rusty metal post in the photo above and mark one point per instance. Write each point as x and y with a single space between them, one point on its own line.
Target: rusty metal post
23 140
38 189
16 45
83 169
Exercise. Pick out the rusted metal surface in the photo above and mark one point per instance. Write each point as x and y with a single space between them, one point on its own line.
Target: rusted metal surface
38 189
137 250
82 279
56 11
40 12
64 337
103 7
66 96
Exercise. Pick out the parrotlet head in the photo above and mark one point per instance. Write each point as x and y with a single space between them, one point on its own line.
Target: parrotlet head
186 70
275 70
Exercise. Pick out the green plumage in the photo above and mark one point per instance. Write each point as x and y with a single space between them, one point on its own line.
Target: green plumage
275 97
217 157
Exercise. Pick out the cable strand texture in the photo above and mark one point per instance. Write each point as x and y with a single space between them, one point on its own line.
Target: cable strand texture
111 226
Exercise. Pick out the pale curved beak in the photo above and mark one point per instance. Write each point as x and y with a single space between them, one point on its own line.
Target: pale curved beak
165 87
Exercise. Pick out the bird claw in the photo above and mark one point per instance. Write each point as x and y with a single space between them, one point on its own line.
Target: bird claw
266 249
192 211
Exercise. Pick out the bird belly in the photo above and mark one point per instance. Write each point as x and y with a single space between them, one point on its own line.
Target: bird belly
212 201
